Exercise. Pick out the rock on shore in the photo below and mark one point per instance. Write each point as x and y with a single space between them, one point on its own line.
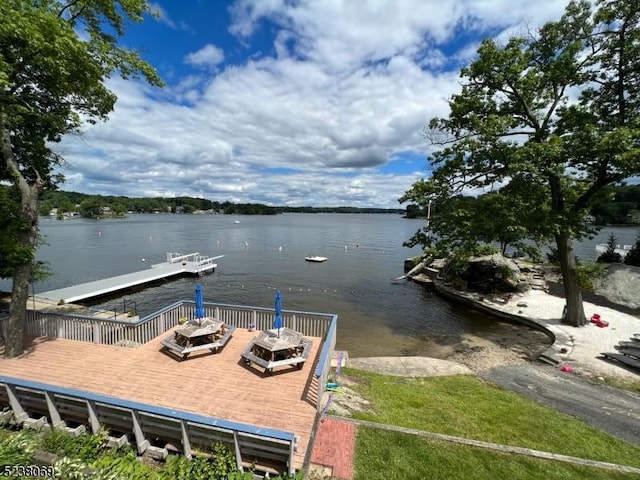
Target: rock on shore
620 285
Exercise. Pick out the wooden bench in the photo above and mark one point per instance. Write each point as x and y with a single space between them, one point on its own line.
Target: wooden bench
624 359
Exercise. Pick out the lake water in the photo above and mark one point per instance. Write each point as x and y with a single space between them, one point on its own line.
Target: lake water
377 315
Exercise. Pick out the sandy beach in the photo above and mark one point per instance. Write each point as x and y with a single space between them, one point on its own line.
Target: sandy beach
576 347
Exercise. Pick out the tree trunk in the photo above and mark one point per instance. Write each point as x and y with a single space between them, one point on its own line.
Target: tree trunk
29 195
18 311
572 290
22 274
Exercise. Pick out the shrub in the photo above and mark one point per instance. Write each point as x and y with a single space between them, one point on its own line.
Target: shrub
85 447
610 256
221 465
123 464
16 448
588 272
633 255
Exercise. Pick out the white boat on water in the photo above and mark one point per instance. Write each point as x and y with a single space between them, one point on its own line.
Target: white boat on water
316 259
621 250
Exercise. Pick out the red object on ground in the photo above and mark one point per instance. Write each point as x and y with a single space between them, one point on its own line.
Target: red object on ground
598 321
566 368
334 447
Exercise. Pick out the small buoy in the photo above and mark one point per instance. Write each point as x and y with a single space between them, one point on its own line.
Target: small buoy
144 260
280 248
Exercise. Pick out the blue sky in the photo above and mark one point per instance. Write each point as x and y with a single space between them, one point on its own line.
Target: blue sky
282 102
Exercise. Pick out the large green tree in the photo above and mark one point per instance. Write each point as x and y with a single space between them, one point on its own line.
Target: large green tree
54 58
548 120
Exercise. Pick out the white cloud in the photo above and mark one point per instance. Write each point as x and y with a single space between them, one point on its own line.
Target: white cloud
161 15
208 56
323 122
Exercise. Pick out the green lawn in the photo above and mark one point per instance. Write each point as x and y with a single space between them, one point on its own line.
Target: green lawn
383 455
467 407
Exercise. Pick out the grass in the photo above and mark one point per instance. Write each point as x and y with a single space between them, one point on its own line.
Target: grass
382 455
622 384
467 407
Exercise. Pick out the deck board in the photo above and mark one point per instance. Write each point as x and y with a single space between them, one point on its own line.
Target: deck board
219 385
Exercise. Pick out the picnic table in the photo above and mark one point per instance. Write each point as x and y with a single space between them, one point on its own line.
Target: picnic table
206 333
277 347
198 332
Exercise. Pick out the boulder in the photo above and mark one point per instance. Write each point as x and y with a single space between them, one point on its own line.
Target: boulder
492 273
620 285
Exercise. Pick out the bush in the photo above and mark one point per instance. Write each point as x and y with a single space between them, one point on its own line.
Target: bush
221 465
588 272
16 448
610 256
85 447
633 255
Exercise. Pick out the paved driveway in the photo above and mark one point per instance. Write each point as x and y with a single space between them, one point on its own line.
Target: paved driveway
614 411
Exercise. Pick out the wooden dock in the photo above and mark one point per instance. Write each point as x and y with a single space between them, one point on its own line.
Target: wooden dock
176 264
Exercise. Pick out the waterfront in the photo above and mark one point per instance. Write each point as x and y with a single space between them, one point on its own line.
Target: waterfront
377 315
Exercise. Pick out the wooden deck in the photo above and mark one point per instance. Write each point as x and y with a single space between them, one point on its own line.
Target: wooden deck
218 385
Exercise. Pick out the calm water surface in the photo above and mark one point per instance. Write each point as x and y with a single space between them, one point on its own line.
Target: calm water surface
377 315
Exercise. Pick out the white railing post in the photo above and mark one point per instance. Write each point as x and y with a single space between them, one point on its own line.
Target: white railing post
96 333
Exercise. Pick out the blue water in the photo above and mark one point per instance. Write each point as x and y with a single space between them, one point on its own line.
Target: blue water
262 254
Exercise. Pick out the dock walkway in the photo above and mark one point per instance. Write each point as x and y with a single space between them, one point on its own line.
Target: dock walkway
176 264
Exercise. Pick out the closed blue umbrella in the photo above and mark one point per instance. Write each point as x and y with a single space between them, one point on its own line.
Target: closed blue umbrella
277 322
199 312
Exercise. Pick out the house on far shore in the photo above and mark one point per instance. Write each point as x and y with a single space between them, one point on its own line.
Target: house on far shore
634 216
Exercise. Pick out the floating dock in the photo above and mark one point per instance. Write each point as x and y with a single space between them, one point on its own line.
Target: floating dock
176 264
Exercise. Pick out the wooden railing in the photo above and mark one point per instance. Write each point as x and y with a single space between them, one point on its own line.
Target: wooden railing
109 331
136 333
324 362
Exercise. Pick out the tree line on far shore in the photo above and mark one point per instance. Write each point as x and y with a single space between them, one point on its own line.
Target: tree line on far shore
63 204
615 205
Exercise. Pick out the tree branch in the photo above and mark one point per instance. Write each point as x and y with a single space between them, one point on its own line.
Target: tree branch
67 6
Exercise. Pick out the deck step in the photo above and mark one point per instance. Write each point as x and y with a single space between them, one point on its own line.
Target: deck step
548 359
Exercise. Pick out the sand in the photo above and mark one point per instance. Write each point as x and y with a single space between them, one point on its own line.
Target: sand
579 348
